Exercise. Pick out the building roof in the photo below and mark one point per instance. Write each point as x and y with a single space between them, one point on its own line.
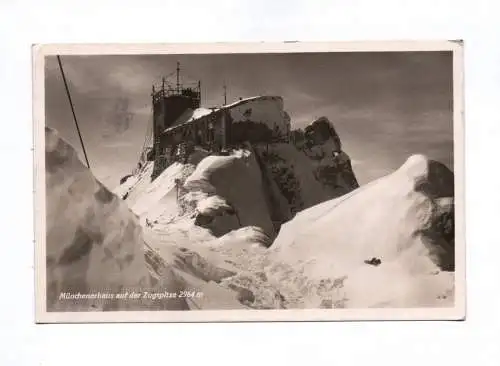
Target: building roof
250 99
189 116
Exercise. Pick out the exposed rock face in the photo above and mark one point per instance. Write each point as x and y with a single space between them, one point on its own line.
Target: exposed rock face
278 179
295 170
320 131
332 165
219 217
124 178
309 170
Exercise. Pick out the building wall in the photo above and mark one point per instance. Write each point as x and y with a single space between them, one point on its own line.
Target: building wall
197 132
257 120
267 110
159 117
175 106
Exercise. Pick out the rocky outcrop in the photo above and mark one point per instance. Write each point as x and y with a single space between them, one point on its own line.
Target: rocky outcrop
216 215
312 168
124 178
320 131
332 166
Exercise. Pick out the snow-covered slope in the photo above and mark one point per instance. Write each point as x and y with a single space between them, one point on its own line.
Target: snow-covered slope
205 227
96 246
93 242
229 194
404 220
211 223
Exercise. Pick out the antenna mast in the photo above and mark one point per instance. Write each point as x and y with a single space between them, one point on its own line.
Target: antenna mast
178 71
199 92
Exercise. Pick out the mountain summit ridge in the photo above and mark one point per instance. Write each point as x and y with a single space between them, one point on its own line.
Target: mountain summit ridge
267 224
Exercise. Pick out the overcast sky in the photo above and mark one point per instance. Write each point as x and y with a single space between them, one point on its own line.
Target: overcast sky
385 106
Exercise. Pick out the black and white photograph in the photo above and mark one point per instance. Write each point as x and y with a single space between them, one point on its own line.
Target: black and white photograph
249 182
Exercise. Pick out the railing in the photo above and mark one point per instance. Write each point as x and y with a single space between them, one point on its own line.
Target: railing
191 93
170 83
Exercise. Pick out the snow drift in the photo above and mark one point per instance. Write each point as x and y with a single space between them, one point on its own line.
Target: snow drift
93 242
229 193
96 246
389 243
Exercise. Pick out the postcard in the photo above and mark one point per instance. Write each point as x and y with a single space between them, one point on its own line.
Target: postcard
292 181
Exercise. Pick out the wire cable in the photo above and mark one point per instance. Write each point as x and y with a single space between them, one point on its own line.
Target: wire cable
72 109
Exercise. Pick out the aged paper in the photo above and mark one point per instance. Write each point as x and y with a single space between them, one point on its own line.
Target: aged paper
249 182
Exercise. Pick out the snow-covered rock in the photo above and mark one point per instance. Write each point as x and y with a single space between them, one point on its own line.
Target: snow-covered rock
332 166
311 169
100 249
228 194
388 243
210 222
93 242
320 131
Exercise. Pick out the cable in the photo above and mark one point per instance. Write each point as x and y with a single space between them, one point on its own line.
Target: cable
73 110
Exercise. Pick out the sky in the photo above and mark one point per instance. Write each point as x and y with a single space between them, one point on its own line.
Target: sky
385 106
